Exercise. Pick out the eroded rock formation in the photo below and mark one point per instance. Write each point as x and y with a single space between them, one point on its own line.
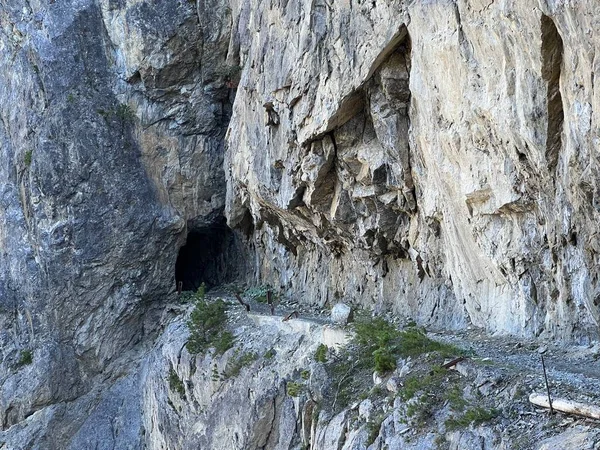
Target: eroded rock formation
435 159
431 158
111 139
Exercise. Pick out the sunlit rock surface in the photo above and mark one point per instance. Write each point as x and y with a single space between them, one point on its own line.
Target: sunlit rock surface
435 160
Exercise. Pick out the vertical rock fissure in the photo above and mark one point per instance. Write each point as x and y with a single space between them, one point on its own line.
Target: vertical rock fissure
552 56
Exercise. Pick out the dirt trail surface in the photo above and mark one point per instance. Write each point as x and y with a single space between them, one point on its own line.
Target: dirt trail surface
573 371
497 374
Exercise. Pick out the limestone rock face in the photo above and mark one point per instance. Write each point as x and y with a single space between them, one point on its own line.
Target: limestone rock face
433 158
112 117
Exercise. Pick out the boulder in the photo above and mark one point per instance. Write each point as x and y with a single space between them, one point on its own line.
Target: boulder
341 314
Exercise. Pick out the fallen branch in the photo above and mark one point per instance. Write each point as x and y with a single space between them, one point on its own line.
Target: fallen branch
566 406
242 302
453 362
290 315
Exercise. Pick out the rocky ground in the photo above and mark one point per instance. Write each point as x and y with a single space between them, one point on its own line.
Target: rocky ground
481 402
308 384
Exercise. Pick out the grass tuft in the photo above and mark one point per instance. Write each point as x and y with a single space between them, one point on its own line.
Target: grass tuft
237 363
175 383
259 293
25 358
28 157
321 353
475 416
373 427
294 389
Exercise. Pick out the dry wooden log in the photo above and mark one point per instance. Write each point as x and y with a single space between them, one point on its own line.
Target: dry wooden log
290 315
453 362
566 406
242 302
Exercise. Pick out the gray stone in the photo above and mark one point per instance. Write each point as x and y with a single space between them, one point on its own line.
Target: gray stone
341 314
393 385
572 439
377 378
365 409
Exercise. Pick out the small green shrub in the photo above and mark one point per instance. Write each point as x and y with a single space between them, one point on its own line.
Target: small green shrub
371 332
258 293
305 374
422 383
375 340
321 353
386 344
377 345
28 157
223 342
25 358
201 292
414 342
294 389
384 360
207 328
475 416
175 383
189 296
237 362
455 398
373 427
269 354
426 392
124 113
216 375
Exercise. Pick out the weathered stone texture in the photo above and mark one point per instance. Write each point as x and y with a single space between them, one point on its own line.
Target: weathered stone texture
112 117
436 158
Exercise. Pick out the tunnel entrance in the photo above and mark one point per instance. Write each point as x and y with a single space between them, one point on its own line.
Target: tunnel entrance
208 256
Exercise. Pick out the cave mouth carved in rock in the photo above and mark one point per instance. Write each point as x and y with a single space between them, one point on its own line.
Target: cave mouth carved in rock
208 256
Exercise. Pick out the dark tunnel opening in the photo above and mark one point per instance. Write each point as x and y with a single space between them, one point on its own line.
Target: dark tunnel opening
209 256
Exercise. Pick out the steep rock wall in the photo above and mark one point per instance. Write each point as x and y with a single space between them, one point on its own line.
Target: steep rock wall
435 158
112 117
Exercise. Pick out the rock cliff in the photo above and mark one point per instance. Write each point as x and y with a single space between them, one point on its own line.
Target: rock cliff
435 158
432 159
